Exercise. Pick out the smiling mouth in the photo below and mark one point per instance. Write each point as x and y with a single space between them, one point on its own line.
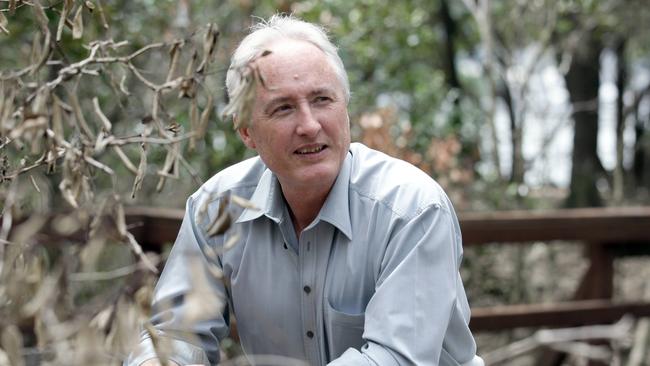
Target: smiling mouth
311 150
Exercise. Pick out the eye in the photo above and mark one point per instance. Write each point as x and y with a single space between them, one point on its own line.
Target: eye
321 99
282 109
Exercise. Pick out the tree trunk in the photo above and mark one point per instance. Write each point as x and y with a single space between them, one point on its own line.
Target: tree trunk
641 167
449 25
582 82
621 79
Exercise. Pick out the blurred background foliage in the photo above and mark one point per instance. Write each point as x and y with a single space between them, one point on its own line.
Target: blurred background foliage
477 93
509 104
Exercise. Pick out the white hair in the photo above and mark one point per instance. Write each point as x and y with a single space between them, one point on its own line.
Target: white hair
283 27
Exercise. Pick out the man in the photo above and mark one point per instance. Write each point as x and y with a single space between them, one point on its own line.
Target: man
348 257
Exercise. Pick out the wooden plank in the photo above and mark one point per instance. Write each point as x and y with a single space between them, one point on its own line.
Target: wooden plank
563 314
598 225
153 227
603 225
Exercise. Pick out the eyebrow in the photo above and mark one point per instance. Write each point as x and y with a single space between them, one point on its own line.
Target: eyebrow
279 100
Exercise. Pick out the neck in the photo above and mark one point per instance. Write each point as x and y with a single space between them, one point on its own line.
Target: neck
304 206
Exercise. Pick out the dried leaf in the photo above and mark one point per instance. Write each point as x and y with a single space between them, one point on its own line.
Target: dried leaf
57 120
31 178
91 252
241 103
43 21
137 249
120 220
67 6
125 159
79 116
222 222
242 202
37 50
66 225
230 243
123 86
220 225
101 14
170 167
78 24
194 122
102 117
90 5
205 117
142 168
173 56
105 168
40 15
12 343
161 345
4 23
46 292
124 330
202 302
209 45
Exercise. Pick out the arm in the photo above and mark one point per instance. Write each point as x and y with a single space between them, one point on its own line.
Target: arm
418 314
187 311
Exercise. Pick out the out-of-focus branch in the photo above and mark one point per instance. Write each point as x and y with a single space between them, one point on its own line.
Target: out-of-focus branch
570 340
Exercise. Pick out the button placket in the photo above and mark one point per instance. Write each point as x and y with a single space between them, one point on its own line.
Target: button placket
308 271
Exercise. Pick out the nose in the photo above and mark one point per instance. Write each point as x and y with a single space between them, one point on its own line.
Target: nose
307 124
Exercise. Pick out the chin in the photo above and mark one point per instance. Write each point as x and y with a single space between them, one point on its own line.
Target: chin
315 178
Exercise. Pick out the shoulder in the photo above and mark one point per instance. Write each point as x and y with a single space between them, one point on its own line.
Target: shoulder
394 183
239 179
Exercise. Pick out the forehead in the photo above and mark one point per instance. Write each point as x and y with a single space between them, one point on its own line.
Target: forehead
295 65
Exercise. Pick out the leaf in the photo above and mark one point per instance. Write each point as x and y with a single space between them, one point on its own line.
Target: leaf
37 49
90 5
102 16
142 167
78 24
120 220
102 117
125 159
242 202
205 117
3 23
67 5
194 121
12 343
46 292
209 45
223 219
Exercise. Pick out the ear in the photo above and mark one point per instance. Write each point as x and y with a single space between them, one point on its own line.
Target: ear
246 137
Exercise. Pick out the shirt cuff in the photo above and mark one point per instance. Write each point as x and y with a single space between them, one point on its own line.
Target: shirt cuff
476 361
183 353
372 355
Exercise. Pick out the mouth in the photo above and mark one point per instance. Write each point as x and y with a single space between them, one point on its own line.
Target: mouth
312 149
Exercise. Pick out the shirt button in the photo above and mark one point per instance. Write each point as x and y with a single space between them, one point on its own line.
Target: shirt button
307 289
310 334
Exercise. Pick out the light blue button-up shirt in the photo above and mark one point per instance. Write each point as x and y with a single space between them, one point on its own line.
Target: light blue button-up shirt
373 280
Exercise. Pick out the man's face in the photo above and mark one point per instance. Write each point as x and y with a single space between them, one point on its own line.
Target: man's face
300 125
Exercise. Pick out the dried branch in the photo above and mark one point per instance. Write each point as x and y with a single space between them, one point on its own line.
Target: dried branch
567 339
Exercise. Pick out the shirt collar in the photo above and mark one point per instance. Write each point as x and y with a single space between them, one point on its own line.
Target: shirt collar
267 200
336 209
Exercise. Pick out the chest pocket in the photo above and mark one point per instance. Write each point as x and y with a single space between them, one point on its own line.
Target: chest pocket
343 331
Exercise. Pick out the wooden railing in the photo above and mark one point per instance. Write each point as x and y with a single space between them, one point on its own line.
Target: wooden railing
607 233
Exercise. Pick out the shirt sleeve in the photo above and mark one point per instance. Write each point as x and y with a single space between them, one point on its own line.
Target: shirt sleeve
188 302
419 313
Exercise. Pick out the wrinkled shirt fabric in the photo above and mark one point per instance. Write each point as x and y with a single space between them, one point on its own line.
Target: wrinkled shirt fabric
373 280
